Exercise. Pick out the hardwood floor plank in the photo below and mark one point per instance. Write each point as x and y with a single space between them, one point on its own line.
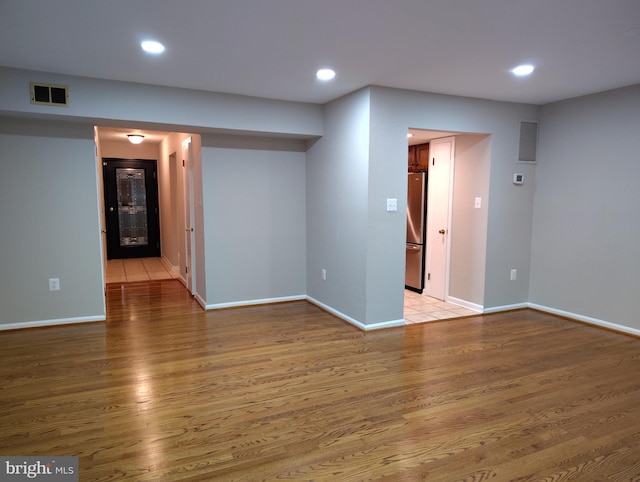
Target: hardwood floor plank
166 391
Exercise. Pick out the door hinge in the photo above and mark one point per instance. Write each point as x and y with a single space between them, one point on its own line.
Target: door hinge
154 175
428 276
182 162
433 161
186 269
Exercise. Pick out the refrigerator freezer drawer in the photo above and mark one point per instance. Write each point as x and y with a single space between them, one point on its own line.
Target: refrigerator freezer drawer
413 278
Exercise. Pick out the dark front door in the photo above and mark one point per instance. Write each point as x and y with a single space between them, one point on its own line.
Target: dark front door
131 208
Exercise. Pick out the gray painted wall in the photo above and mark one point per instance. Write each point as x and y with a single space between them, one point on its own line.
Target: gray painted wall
510 210
105 102
580 248
254 224
50 218
362 160
586 229
469 225
338 207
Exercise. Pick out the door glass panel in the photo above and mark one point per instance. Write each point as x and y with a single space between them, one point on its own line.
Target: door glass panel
132 207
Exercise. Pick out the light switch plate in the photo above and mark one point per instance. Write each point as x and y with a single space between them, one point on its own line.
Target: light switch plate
392 205
54 284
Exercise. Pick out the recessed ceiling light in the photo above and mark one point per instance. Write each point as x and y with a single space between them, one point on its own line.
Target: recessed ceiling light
152 47
325 74
522 70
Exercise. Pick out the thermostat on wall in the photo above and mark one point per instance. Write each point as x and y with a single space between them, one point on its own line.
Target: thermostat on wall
518 178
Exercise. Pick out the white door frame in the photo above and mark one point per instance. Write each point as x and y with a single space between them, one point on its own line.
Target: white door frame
189 216
432 229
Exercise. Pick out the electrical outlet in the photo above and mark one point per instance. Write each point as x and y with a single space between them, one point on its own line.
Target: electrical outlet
478 203
54 284
324 274
514 274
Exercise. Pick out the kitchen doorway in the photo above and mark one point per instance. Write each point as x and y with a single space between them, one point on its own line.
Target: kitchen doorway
429 188
430 156
465 236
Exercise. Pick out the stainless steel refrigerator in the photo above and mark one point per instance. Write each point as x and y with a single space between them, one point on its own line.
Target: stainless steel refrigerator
416 211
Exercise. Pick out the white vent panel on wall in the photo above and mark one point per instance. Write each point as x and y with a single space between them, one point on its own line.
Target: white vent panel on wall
528 141
47 94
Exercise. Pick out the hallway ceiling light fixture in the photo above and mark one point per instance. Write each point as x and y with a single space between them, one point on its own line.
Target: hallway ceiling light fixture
522 70
152 47
325 74
135 138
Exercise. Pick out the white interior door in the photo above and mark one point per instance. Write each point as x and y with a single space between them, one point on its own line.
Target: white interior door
438 216
189 213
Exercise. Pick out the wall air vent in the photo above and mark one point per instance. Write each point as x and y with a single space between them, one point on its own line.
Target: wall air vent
528 141
47 94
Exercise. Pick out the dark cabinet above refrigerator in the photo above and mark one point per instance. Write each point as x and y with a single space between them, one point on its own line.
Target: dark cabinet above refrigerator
418 157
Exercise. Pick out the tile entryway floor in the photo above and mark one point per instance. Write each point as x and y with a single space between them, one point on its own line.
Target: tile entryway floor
421 308
137 269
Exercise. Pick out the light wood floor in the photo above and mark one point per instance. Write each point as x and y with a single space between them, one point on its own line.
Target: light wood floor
165 391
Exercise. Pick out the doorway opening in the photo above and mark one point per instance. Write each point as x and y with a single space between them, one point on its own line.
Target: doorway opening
131 208
430 188
151 247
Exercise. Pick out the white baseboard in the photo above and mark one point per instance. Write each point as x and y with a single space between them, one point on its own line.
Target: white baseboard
41 323
465 304
586 319
497 309
167 264
566 314
264 301
200 301
348 319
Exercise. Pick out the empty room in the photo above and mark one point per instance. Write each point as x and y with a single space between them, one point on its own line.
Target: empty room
268 240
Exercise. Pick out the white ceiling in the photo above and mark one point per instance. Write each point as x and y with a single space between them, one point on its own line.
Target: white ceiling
272 48
420 136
